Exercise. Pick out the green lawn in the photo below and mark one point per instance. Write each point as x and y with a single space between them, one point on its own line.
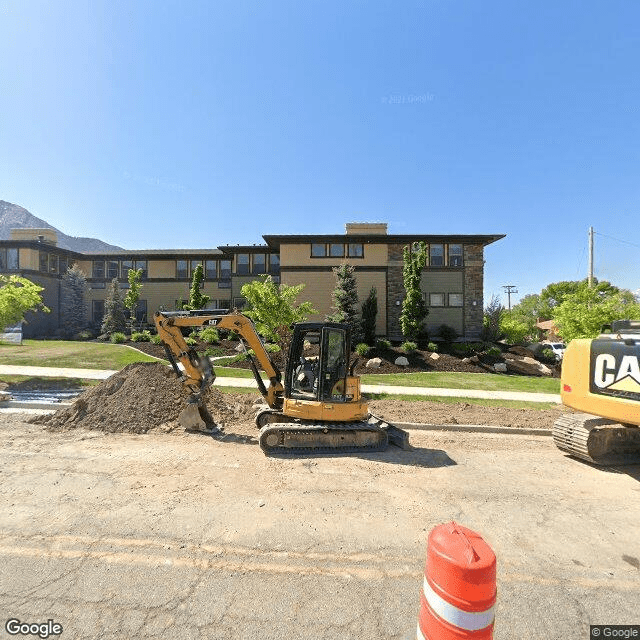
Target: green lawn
485 402
62 353
483 381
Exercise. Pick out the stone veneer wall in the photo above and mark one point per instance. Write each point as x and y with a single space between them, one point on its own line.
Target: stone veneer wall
473 284
395 289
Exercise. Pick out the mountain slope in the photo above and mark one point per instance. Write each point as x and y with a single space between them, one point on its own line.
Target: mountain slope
13 216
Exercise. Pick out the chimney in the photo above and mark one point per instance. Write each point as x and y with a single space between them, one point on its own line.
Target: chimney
366 228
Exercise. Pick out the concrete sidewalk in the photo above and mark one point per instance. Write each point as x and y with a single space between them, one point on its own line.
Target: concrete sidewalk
249 383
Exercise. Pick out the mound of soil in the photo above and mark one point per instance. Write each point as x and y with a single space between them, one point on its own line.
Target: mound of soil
140 398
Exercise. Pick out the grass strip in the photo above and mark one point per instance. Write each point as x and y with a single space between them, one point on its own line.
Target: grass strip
484 402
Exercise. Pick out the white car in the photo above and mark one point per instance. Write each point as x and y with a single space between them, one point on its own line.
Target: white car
557 348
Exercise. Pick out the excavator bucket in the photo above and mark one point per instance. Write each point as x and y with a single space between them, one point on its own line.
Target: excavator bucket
195 417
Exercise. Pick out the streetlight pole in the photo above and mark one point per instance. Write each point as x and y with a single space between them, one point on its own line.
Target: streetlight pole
509 288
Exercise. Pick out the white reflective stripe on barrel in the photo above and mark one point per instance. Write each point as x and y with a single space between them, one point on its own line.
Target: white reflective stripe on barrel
419 635
468 620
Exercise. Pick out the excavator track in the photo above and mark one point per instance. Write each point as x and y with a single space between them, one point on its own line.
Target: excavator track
597 440
331 437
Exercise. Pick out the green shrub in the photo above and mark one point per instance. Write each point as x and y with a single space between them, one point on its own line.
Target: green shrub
408 346
362 349
461 348
447 333
548 354
271 347
192 342
383 344
213 352
118 337
85 335
141 336
195 334
493 351
209 335
432 346
156 339
476 347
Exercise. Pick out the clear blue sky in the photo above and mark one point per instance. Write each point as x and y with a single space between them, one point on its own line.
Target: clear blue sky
193 124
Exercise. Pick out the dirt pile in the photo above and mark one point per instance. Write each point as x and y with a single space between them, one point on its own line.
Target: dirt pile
140 398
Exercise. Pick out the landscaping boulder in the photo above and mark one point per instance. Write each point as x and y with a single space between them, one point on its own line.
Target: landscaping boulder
434 356
500 367
374 363
401 361
526 366
522 351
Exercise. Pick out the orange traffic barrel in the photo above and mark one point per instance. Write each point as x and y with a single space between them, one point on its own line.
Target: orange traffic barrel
459 587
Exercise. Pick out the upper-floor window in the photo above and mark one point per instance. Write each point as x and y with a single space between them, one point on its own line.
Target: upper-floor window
259 263
436 255
455 255
112 269
436 299
318 250
242 264
181 269
142 264
43 261
274 263
193 265
125 267
225 268
456 299
211 269
336 250
53 263
97 270
64 264
356 250
8 259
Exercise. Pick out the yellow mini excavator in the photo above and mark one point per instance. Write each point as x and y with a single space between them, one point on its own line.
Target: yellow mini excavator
601 378
316 409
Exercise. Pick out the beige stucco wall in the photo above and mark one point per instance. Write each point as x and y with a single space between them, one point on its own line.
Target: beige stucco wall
320 285
443 282
161 268
297 255
28 259
49 235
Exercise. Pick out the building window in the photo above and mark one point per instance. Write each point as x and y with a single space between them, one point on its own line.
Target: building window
44 261
142 264
181 269
97 285
112 269
97 270
455 255
336 250
242 264
224 284
53 263
8 260
436 299
455 299
193 265
97 311
259 263
356 250
64 265
225 268
436 255
224 304
211 269
125 267
274 263
318 250
239 302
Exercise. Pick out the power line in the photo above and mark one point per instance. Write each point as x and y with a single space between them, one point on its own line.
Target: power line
633 244
510 288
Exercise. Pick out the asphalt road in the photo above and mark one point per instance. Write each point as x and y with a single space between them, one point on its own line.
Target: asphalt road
175 536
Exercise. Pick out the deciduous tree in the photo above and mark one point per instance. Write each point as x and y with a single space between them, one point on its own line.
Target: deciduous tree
17 296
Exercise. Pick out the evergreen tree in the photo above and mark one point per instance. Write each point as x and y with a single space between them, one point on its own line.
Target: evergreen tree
114 320
369 313
414 309
73 304
345 299
197 300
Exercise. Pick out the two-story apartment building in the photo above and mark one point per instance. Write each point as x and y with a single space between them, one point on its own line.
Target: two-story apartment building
452 281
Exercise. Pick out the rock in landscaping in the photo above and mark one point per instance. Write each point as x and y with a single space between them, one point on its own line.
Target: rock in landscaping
527 366
500 367
401 361
374 363
522 351
434 356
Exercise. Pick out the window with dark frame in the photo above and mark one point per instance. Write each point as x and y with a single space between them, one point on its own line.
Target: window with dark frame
436 299
436 255
318 250
242 264
181 269
53 263
9 260
43 261
97 269
355 250
112 269
455 255
274 263
97 311
456 300
336 250
211 269
259 263
64 265
141 311
125 267
142 264
225 268
193 265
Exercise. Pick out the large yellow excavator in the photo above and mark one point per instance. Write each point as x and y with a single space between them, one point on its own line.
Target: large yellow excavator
601 378
316 408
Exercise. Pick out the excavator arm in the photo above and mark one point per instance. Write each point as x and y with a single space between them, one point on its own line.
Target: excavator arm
198 373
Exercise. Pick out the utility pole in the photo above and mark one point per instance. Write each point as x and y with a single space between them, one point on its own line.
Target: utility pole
509 288
590 257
